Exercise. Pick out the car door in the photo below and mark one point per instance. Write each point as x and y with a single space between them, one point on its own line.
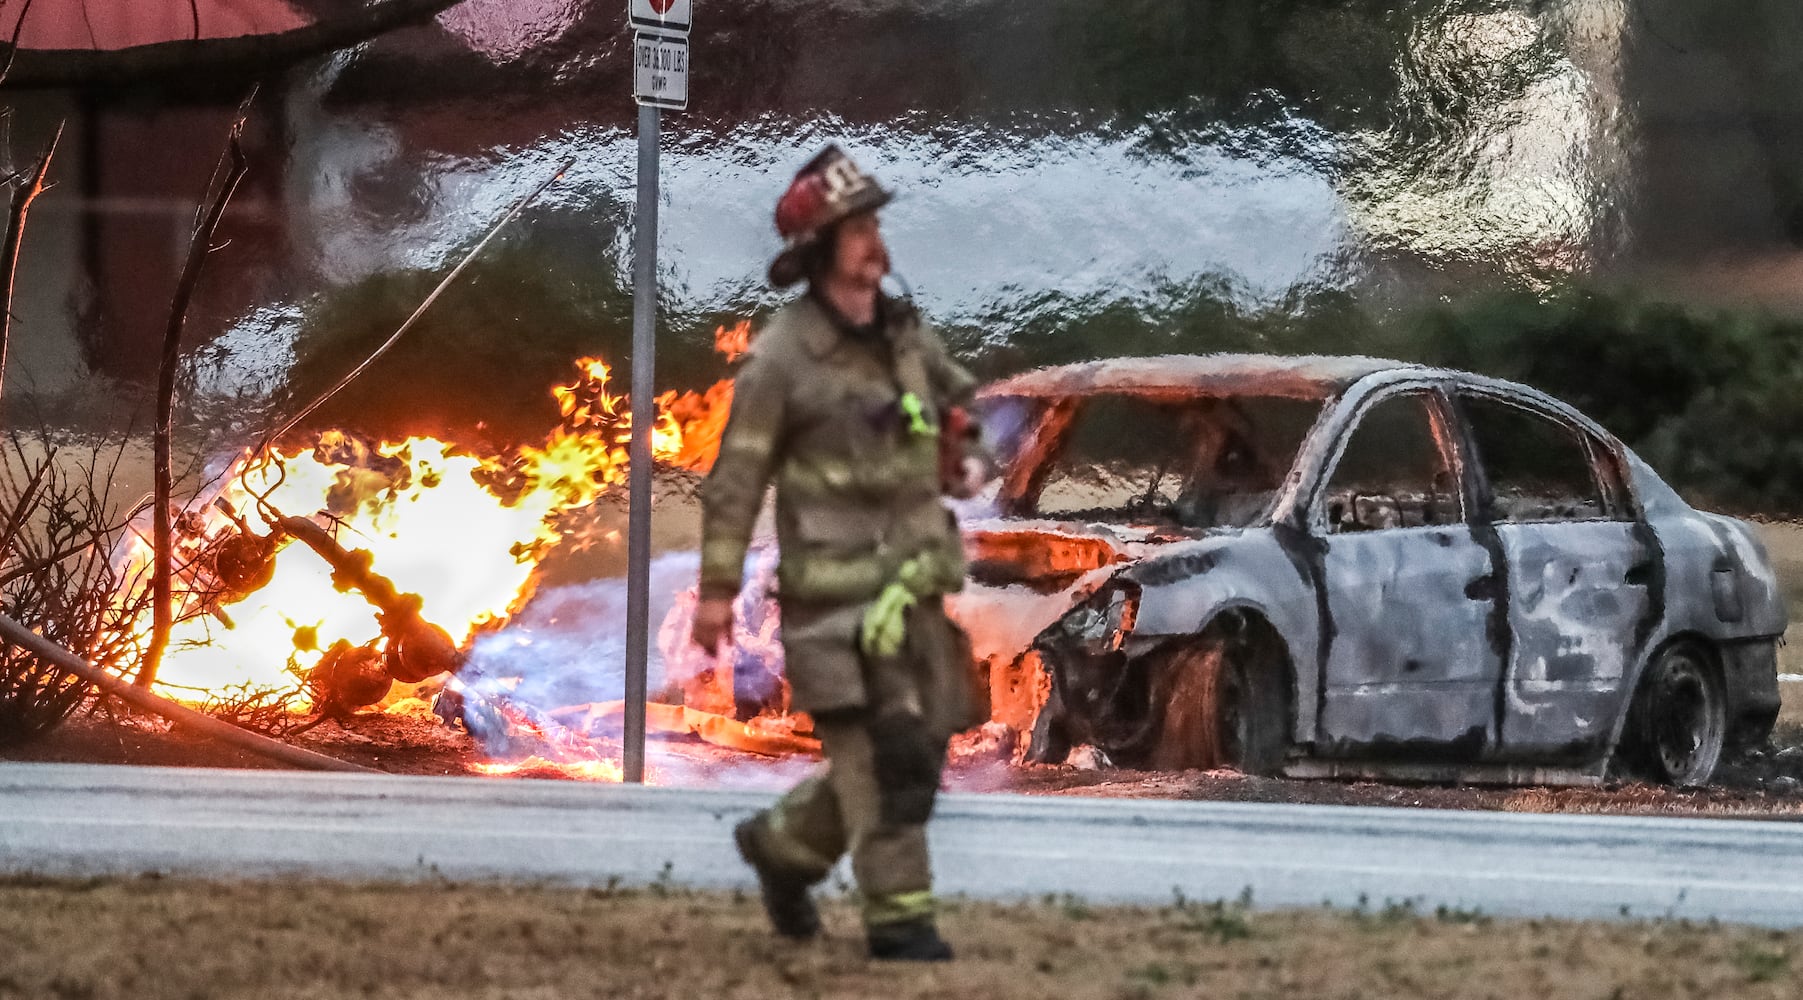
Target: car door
1578 568
1410 593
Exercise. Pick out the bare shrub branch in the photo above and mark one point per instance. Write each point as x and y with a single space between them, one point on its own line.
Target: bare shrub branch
76 600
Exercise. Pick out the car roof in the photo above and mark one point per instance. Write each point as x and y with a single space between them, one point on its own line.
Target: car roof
1311 377
1317 377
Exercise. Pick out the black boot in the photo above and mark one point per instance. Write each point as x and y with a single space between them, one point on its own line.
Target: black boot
909 941
786 900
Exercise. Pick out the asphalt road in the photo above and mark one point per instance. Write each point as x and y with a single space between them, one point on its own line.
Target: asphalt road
89 819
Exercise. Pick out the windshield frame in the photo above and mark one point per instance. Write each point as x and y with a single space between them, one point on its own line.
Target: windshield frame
1031 446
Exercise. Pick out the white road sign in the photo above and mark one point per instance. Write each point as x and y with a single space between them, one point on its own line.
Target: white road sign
660 70
665 15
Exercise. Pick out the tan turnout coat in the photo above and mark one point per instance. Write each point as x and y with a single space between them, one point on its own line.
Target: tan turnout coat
857 490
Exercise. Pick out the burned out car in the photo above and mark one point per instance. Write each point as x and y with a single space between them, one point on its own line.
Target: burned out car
1357 567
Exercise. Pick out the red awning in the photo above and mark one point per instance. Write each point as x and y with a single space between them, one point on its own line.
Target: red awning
118 24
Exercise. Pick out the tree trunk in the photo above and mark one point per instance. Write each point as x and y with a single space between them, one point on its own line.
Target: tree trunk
23 195
162 589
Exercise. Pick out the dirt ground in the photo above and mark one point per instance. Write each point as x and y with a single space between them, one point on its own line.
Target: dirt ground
162 939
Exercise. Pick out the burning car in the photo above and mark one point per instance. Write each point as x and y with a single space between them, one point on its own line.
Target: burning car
1355 567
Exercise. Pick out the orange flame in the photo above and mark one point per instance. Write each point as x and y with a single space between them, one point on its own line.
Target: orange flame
465 533
701 417
580 770
734 342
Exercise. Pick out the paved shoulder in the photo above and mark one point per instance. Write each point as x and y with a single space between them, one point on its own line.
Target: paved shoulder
82 819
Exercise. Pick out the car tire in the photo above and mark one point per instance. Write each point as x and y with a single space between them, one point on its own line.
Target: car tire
1678 722
1048 742
1220 704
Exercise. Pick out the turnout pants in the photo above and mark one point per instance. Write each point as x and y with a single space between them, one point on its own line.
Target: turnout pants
883 759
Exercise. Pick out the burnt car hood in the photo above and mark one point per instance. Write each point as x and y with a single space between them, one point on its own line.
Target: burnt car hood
1026 574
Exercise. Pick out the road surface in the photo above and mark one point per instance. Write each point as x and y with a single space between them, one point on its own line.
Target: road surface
66 819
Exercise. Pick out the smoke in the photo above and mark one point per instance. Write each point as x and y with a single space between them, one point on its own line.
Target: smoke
567 648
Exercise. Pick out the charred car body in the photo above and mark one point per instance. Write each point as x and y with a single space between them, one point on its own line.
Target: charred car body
1347 566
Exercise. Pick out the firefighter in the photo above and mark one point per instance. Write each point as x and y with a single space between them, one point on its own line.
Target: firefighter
847 402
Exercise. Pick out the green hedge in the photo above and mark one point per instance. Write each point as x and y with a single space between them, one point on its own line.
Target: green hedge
1712 399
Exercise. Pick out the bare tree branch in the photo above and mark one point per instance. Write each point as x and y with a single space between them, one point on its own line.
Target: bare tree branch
23 195
232 164
245 55
12 46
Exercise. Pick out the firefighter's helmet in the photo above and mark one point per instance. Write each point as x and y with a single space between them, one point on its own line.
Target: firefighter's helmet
825 192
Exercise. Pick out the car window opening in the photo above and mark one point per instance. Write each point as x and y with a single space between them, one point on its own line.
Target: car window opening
1395 471
1538 469
1193 463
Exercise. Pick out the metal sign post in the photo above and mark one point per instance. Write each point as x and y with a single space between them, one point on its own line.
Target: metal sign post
660 80
644 418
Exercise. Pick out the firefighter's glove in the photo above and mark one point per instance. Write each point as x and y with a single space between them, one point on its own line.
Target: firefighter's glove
916 412
886 620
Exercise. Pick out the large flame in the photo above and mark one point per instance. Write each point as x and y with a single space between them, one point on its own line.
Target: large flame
464 532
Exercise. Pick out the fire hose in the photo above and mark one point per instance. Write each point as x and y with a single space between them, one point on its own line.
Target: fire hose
16 633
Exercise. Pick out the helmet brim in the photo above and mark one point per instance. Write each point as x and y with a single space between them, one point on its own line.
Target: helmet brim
789 266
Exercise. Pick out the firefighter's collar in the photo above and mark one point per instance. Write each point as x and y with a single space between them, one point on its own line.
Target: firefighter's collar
900 324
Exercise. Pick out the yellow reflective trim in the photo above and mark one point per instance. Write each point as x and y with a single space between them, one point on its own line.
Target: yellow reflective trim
900 473
722 559
898 907
755 443
820 578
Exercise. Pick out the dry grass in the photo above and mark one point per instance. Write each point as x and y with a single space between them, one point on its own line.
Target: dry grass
1642 800
180 940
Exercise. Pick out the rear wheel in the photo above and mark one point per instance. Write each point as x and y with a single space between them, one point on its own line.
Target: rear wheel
1678 722
1221 703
